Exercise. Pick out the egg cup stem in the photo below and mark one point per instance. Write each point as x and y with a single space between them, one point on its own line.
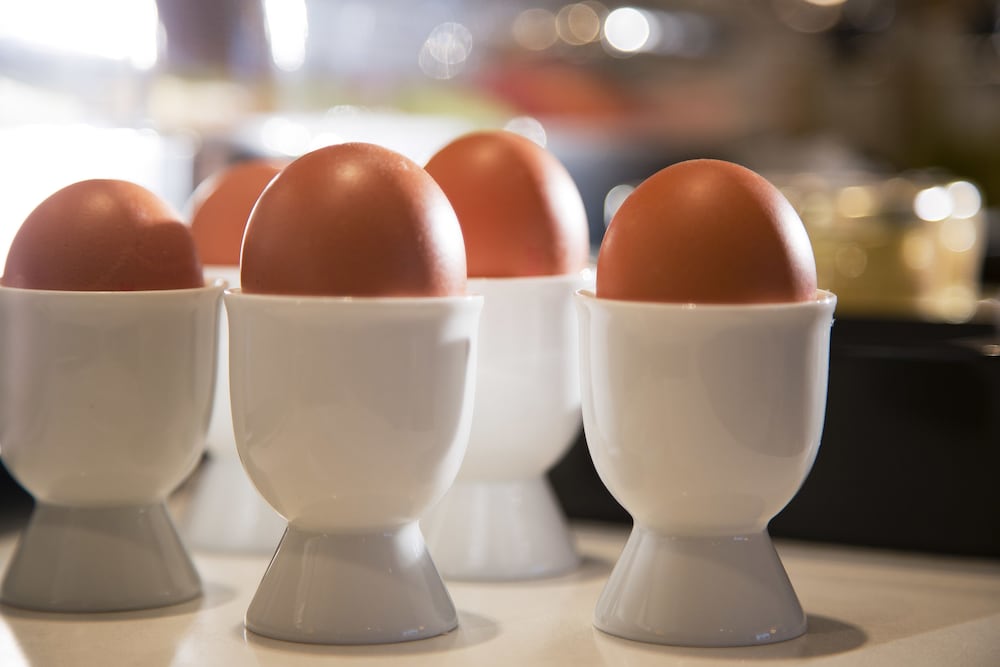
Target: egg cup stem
501 530
367 587
720 590
97 559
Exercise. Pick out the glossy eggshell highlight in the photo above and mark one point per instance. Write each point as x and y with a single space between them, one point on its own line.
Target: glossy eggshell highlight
353 220
706 231
103 235
221 205
520 211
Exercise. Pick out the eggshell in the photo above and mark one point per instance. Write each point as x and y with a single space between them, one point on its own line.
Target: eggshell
103 235
353 220
520 211
706 231
221 205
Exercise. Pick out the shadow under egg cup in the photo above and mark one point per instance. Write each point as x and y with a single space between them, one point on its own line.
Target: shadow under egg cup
225 513
703 421
351 417
501 520
104 401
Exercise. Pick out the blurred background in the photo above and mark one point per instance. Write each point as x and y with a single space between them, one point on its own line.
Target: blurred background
879 119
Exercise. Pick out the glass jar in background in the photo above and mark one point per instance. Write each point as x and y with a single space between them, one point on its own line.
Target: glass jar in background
909 245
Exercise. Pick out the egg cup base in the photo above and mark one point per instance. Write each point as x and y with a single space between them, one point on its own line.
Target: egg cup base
370 587
505 530
709 591
226 514
99 559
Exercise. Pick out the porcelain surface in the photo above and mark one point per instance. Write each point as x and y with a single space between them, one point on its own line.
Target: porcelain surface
351 418
501 521
527 406
105 396
104 402
99 559
220 439
225 513
703 422
350 588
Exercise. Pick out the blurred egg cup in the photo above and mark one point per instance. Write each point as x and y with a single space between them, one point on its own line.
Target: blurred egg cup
501 520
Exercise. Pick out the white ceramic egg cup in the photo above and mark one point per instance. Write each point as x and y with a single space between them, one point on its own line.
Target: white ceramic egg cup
104 402
351 418
224 512
500 520
703 422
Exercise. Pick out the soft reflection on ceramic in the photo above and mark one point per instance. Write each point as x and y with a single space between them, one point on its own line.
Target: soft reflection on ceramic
501 521
351 418
703 422
225 513
220 439
104 402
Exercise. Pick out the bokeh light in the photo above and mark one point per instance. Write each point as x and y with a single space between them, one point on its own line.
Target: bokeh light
917 251
851 260
578 23
627 29
122 30
932 204
966 200
286 137
535 29
614 199
529 127
446 50
287 32
856 201
808 16
958 234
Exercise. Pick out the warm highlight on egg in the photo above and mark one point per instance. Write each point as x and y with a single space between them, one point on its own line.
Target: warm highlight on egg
520 211
353 219
706 231
221 205
103 235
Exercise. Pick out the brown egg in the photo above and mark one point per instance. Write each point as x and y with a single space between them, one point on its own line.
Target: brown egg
706 231
221 205
103 235
520 211
353 220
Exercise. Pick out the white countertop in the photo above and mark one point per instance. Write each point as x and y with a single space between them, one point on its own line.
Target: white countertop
864 607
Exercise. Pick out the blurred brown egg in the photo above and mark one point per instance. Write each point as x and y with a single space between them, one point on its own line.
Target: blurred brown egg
520 211
99 235
706 231
353 220
221 205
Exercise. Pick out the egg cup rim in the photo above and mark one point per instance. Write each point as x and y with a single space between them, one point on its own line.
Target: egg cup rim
821 297
211 285
585 273
239 293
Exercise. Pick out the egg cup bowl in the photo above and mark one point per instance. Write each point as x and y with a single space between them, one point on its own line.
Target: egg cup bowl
501 520
104 402
351 418
703 421
224 513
